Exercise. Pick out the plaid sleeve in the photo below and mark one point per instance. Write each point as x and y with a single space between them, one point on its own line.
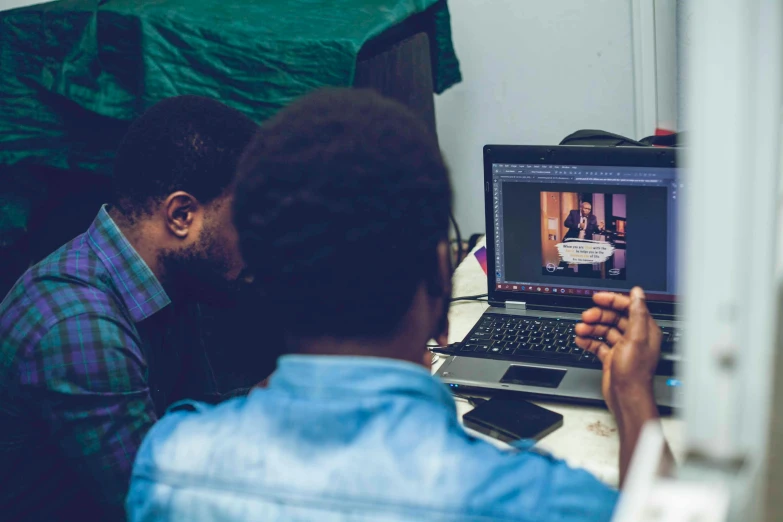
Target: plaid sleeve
93 373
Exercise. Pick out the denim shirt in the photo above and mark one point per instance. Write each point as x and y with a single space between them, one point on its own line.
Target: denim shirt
347 438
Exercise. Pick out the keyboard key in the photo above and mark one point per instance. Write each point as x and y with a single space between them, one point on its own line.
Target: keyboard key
536 347
481 335
550 348
496 348
499 344
576 350
587 357
507 351
512 345
563 348
468 348
481 349
498 336
524 347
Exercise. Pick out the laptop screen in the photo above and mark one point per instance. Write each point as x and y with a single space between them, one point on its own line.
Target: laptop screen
575 230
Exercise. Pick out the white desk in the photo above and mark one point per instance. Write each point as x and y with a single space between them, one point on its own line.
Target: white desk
588 437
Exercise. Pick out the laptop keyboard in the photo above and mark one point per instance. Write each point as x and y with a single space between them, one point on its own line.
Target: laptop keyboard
542 340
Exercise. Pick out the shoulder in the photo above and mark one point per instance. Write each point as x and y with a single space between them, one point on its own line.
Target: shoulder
84 354
70 282
183 439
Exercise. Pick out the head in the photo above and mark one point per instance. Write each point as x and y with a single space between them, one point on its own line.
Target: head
173 179
342 210
586 208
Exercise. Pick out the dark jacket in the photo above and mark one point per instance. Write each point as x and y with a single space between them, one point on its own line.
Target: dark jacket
572 224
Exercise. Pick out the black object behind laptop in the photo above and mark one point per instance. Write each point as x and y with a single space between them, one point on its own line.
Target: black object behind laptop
565 222
510 420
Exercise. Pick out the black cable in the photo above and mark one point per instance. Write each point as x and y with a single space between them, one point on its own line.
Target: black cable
441 349
477 297
459 238
473 401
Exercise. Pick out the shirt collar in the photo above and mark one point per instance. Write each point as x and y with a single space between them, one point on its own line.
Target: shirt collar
333 375
139 289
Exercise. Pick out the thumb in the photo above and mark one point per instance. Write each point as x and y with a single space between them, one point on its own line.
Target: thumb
638 316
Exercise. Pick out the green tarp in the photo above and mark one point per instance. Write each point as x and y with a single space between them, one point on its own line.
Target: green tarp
74 72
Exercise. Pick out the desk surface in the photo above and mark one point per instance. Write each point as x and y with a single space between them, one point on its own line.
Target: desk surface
588 437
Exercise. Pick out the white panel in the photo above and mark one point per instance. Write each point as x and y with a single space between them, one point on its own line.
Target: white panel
534 72
645 96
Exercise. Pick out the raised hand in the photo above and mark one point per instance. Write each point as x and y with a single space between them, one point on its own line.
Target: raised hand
627 341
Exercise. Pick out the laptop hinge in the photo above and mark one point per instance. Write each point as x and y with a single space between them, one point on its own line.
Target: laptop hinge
516 305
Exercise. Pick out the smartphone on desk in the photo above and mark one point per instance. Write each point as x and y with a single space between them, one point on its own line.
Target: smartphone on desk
511 420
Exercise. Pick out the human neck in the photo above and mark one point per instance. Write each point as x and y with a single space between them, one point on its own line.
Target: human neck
136 233
402 348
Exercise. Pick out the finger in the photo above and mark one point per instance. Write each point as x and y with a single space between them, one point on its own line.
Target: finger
607 317
638 317
442 339
610 333
616 302
654 332
599 348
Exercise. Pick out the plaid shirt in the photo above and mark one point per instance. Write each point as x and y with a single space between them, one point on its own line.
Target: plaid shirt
79 382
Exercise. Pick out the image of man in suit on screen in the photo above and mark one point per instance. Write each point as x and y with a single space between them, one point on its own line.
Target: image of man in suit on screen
582 224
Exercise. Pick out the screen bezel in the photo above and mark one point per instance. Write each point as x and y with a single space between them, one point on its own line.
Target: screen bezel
564 155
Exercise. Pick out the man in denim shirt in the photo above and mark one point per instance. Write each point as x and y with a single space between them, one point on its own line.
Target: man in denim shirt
342 209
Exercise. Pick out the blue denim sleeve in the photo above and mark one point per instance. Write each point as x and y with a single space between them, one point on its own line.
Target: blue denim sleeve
568 494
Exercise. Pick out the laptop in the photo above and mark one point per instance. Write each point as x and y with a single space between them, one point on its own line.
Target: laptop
565 222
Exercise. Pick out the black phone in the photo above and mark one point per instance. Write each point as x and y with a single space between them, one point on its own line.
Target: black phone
511 420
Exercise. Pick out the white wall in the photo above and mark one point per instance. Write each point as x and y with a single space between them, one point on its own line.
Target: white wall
534 71
13 4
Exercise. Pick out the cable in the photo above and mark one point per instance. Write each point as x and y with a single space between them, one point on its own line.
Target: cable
441 349
459 238
477 297
473 401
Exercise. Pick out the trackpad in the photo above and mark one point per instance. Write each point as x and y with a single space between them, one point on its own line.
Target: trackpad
533 376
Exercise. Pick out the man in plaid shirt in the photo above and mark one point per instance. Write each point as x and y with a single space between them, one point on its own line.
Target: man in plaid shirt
91 351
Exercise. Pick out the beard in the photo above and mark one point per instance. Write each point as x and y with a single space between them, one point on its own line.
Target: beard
200 274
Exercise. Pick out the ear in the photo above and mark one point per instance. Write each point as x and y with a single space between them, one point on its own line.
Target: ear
444 266
180 208
444 275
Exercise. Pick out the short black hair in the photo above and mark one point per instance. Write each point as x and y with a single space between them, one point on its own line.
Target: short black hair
341 201
188 143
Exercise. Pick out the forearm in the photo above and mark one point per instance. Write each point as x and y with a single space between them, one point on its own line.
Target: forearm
634 409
